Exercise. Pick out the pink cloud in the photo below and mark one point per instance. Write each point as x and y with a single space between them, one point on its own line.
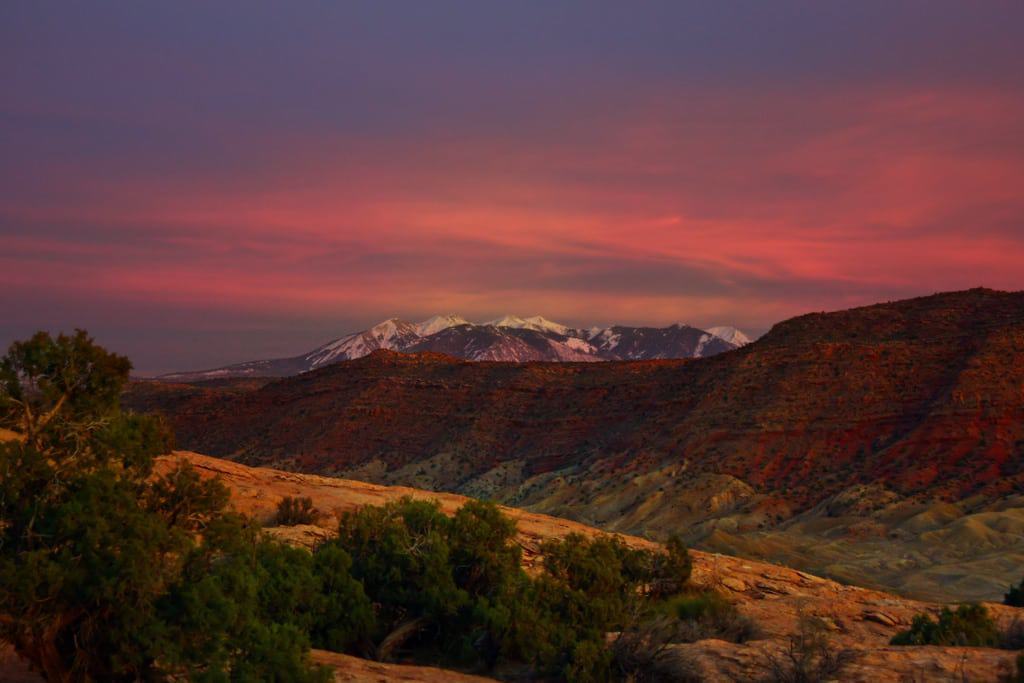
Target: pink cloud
706 206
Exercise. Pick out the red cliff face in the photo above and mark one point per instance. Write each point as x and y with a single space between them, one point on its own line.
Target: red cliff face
924 396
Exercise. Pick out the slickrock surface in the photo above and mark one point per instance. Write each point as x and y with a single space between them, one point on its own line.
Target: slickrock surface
349 669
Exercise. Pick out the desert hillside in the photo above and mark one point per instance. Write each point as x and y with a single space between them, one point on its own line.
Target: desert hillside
859 621
882 445
774 596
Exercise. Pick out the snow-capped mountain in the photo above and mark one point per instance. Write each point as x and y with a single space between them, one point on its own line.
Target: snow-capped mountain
506 343
438 323
536 323
509 338
391 334
730 334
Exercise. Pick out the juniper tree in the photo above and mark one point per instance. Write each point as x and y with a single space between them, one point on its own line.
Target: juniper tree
102 575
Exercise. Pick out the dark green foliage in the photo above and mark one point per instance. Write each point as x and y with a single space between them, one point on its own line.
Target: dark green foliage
591 662
594 586
707 614
698 606
345 616
1015 597
452 589
446 587
400 553
290 592
184 499
486 565
483 552
56 389
671 570
226 618
292 511
598 579
969 625
101 573
81 566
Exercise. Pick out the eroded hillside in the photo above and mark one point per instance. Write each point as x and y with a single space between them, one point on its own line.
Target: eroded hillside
844 428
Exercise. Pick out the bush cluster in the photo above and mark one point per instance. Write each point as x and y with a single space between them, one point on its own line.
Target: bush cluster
968 625
452 590
705 614
292 510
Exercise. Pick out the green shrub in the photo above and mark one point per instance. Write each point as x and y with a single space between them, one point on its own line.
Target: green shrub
344 617
452 589
292 511
591 662
969 625
708 614
698 606
102 573
593 586
671 570
400 553
226 616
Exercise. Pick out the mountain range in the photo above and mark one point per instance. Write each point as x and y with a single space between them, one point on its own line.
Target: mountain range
886 440
509 338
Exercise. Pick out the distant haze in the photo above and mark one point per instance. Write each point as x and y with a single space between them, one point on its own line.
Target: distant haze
203 183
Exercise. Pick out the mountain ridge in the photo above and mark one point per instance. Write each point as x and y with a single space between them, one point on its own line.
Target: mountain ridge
509 338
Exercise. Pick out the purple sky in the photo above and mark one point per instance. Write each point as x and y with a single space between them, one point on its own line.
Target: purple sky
203 183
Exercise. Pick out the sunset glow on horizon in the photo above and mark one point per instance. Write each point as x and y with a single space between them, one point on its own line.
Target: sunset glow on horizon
213 185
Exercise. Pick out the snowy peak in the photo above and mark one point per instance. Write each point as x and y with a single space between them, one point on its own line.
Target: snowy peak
507 321
730 334
544 325
392 334
439 322
389 330
536 323
509 338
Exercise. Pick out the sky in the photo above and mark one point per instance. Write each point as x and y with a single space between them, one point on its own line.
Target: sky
202 183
